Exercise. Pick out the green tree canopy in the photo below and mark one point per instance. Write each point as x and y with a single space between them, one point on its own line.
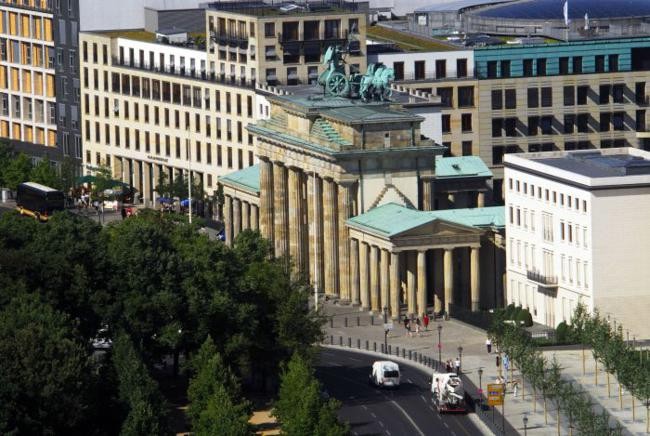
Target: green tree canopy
17 171
44 369
45 174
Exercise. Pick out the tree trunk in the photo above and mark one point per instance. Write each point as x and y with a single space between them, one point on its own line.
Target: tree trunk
595 372
633 412
545 414
609 393
535 399
620 396
558 420
583 360
523 388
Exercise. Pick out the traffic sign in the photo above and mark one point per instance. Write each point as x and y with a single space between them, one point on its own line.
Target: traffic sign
495 394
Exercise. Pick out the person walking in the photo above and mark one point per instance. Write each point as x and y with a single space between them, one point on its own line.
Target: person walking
448 366
457 365
425 321
488 345
406 325
417 326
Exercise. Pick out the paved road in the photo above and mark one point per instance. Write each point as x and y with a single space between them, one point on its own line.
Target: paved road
372 411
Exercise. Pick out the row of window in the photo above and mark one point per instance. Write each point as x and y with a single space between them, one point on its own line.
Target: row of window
573 234
566 65
27 108
27 81
547 195
465 123
420 70
28 133
574 270
499 151
27 53
26 26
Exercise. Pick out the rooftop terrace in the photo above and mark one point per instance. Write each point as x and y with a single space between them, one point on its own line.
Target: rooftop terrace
279 8
406 41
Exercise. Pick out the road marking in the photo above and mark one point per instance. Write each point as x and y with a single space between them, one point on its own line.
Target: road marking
423 399
453 433
388 432
445 424
363 406
406 415
409 380
354 360
373 415
460 424
381 424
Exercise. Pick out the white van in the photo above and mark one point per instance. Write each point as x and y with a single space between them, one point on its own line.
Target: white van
385 374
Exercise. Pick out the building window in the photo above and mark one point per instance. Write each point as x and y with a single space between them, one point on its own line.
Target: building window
466 122
547 97
497 99
461 68
497 127
505 68
446 123
528 67
269 30
467 148
577 65
533 126
618 120
441 68
639 93
546 124
600 63
603 96
511 98
617 93
640 121
582 93
446 96
569 96
492 69
564 65
465 96
398 68
533 97
605 120
613 62
569 123
583 123
541 67
511 126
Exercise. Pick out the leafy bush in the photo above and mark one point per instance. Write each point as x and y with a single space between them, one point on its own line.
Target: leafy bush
562 332
524 318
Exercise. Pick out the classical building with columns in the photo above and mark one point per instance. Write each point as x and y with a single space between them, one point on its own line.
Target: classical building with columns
346 190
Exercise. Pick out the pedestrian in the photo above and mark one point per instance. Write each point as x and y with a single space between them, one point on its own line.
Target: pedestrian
406 324
123 212
425 321
457 365
488 345
417 326
515 385
448 366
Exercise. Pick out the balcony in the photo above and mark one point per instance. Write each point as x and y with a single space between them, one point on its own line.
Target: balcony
230 39
544 282
300 38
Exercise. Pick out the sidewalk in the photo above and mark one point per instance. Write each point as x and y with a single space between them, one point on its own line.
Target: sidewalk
456 334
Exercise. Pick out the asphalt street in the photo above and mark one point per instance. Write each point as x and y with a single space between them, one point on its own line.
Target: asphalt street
405 411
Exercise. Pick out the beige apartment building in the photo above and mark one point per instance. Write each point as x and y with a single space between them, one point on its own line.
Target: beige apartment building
27 86
282 45
145 111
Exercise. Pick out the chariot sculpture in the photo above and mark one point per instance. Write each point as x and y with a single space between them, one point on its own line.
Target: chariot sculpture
374 85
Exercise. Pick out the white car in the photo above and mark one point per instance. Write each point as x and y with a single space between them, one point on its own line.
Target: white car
385 374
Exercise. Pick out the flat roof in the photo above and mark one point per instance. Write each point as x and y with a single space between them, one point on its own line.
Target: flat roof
461 167
456 5
592 169
247 178
393 219
259 8
406 41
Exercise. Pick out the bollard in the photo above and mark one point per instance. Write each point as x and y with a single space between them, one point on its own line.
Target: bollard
367 344
374 346
331 340
358 321
349 342
397 351
358 344
372 319
382 349
345 322
341 341
403 353
410 355
389 349
331 322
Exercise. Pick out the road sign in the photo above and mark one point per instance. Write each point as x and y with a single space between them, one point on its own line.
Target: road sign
495 394
388 326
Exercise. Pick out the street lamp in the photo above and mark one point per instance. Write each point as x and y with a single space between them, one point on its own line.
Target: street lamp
385 329
525 425
439 345
460 358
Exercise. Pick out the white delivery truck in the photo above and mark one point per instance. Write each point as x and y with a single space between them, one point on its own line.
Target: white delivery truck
385 374
448 393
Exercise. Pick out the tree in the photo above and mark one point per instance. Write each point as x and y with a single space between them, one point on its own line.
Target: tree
163 187
17 171
45 174
214 395
139 392
44 369
300 408
103 181
68 173
6 155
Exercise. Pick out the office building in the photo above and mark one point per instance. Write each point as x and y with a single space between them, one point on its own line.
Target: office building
576 224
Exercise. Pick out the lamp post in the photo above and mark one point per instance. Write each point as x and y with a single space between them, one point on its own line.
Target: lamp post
189 175
525 425
460 358
385 329
316 248
480 385
439 345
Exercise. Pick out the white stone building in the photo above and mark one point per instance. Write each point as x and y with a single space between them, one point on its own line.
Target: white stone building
576 228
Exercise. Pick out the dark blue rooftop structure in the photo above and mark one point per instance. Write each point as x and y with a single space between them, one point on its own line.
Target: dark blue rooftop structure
553 9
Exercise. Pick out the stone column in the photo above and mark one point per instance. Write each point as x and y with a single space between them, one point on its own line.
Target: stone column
410 281
384 283
330 239
422 282
296 245
126 171
227 219
449 278
437 300
245 215
315 214
354 272
395 285
146 184
266 198
480 199
254 220
475 277
155 180
427 194
137 177
375 304
236 217
363 276
345 201
280 210
117 168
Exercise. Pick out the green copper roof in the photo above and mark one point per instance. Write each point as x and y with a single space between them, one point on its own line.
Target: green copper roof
462 166
392 219
369 114
247 179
